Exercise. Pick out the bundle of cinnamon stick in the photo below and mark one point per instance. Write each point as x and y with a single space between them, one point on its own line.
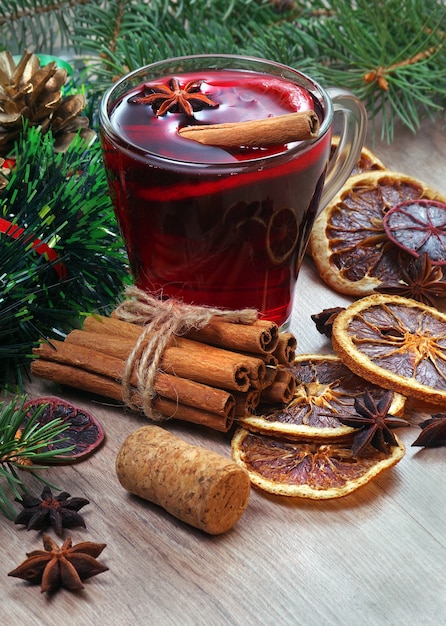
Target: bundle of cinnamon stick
209 376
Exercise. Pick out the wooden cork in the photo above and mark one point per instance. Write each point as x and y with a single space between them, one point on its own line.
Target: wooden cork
196 485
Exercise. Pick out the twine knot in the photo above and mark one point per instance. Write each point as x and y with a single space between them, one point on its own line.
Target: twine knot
161 320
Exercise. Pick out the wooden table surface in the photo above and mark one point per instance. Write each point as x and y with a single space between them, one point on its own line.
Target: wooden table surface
376 557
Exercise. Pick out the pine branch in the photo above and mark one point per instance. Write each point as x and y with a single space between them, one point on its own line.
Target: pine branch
395 55
21 443
142 50
390 53
42 25
125 35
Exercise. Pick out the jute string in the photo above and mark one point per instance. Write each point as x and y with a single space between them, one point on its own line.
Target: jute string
161 320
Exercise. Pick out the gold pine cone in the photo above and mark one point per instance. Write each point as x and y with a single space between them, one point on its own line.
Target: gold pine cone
33 94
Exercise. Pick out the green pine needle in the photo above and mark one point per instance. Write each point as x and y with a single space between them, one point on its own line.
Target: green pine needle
337 41
22 442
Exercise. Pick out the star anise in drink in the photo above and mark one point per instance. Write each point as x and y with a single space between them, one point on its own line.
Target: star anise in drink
174 98
433 434
374 423
57 511
61 566
324 320
420 280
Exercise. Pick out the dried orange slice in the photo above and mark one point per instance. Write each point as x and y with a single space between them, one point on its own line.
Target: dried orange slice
308 469
84 432
367 162
348 243
281 235
325 389
396 343
419 227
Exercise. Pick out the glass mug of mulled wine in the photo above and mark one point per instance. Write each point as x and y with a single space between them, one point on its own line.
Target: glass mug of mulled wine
215 225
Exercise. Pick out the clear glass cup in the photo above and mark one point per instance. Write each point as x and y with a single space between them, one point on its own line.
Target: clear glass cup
228 233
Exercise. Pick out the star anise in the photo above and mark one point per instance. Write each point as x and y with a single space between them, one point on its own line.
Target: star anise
324 320
57 511
65 566
174 98
433 434
374 423
420 280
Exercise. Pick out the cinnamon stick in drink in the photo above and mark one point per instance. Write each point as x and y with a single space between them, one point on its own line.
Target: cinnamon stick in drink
272 131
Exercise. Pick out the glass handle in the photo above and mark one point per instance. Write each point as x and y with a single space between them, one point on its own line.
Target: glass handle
353 116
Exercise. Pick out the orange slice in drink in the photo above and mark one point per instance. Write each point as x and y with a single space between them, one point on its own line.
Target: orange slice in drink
325 389
348 242
396 343
316 470
281 235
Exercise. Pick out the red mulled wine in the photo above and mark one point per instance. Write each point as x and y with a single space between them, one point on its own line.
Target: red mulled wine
207 225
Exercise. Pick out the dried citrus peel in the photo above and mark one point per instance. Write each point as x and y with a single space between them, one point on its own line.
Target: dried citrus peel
287 457
396 343
349 246
84 432
417 227
317 471
325 389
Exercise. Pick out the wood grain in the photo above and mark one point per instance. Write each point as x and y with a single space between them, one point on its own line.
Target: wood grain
374 558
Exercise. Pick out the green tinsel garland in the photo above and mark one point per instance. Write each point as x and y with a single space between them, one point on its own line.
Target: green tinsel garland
60 251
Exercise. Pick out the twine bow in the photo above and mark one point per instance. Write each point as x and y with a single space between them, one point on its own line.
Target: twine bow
161 320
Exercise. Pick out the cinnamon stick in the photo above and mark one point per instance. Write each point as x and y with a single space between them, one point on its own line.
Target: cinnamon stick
219 358
111 326
252 367
170 387
104 386
271 360
253 338
285 352
261 337
272 131
281 390
246 403
212 366
78 379
185 413
115 327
